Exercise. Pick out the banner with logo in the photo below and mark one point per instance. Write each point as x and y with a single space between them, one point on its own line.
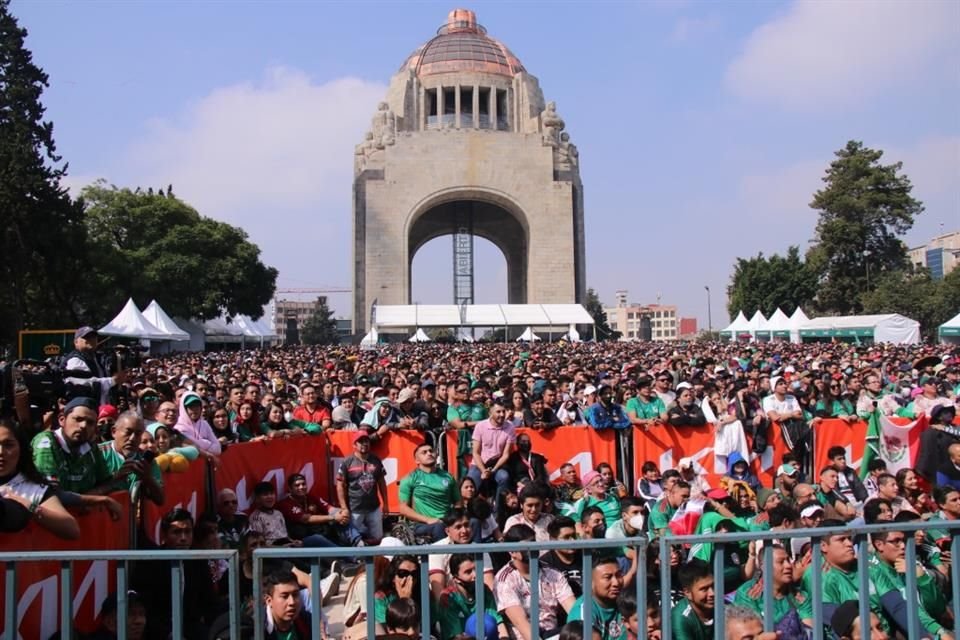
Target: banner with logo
582 446
395 450
182 490
38 583
244 465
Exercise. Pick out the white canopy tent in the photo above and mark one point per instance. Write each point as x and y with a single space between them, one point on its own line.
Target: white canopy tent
572 335
219 330
890 327
758 326
130 323
779 325
463 335
419 336
949 331
370 340
797 320
529 336
541 316
156 316
737 328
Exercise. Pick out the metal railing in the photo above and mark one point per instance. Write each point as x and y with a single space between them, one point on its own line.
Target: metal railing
597 548
67 558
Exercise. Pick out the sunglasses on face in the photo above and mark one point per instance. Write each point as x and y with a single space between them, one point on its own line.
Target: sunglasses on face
405 573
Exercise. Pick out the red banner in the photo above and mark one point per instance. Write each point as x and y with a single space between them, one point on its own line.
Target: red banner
395 451
665 445
182 490
38 583
833 433
244 465
582 446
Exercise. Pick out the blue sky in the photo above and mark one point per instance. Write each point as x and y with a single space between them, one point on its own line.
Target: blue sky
703 127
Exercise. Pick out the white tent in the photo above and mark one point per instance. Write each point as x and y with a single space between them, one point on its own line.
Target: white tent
758 326
738 327
528 336
572 334
156 316
464 335
890 327
798 319
419 336
949 331
130 323
779 324
219 330
370 340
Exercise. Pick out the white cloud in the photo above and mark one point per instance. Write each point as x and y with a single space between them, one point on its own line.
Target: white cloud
285 142
829 54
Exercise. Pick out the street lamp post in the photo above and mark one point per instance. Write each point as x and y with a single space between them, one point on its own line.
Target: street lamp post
709 312
866 260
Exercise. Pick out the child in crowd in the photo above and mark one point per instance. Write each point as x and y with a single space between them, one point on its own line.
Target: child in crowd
267 520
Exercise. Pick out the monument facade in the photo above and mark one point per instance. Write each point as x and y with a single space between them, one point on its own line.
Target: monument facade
464 145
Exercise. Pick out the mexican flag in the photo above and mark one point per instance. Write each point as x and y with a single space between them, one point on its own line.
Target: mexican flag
897 444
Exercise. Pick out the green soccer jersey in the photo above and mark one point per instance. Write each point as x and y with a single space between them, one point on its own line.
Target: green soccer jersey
687 625
77 470
609 505
884 579
454 608
607 622
660 516
840 586
750 595
114 461
433 494
646 410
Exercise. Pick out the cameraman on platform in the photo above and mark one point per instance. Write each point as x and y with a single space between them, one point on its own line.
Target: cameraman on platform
83 374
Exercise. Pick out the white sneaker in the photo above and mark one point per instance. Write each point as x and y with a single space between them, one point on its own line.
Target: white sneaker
329 587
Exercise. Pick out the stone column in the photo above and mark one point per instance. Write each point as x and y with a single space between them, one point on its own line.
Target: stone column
492 107
476 106
456 106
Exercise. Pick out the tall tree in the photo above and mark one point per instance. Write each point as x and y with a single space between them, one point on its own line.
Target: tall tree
916 295
41 246
864 209
154 245
320 327
595 308
767 283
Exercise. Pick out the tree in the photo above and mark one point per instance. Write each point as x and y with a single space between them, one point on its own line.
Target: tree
914 294
41 247
595 309
864 209
767 283
155 246
320 327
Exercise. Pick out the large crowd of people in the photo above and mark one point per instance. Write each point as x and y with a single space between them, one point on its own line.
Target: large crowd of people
116 430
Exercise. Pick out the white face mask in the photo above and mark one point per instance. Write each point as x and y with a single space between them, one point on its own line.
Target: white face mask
288 416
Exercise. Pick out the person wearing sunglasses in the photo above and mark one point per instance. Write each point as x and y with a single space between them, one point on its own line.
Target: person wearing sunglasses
401 580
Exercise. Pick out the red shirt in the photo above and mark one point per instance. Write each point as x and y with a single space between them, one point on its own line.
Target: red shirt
317 416
293 509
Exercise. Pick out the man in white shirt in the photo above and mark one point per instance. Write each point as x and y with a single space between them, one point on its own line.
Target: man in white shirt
781 405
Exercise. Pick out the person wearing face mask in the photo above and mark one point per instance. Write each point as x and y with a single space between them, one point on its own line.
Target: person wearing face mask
605 413
525 465
457 602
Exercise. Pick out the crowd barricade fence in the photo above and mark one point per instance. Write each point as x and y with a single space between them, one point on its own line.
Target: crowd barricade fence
591 549
243 465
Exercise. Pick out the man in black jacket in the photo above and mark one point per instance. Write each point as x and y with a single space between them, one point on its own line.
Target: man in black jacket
524 465
850 486
83 374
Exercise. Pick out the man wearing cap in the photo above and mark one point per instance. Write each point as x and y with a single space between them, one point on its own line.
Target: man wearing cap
66 458
606 414
83 374
786 481
661 387
136 618
362 485
410 413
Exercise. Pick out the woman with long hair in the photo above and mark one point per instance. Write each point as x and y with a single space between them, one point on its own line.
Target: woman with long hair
401 580
909 484
220 423
516 408
247 422
23 494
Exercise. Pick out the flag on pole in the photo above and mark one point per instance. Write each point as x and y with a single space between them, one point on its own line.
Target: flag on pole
897 444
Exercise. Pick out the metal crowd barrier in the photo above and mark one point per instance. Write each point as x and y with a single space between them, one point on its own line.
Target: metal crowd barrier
67 558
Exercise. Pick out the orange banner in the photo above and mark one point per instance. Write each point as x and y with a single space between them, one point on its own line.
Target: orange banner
582 446
832 433
244 465
38 583
182 490
395 451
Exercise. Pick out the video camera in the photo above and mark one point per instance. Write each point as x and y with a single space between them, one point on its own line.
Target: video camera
43 382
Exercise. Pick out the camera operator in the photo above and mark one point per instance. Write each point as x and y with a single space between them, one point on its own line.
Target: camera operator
128 463
83 374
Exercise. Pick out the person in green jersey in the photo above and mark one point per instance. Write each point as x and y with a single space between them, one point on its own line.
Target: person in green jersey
427 494
792 606
457 603
692 616
607 582
463 416
67 457
646 409
127 463
887 569
596 496
675 497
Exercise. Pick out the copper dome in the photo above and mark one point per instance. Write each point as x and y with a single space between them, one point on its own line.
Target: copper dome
463 45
